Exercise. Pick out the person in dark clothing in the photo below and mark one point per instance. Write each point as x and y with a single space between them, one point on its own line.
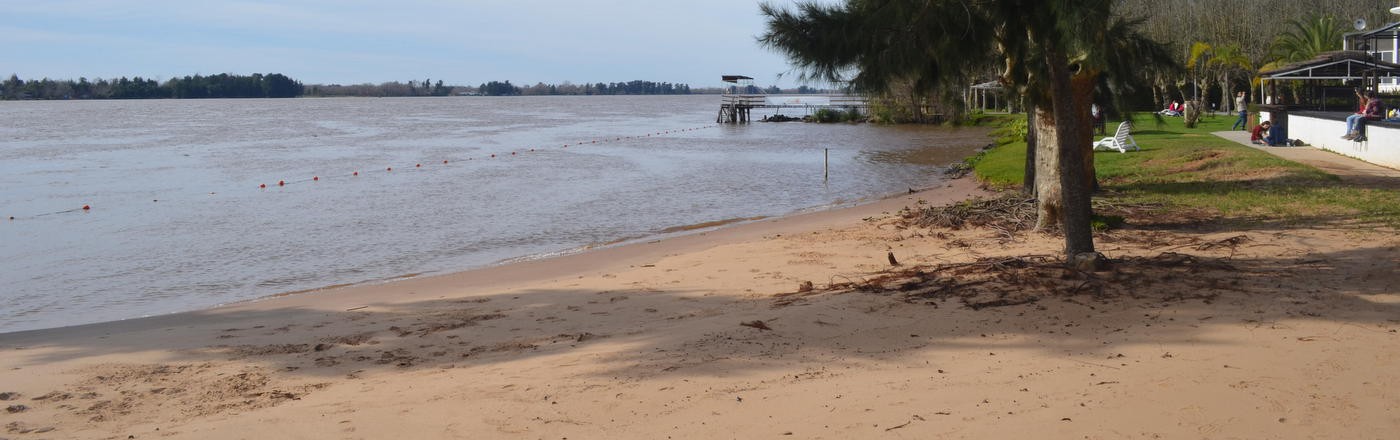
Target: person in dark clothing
1256 135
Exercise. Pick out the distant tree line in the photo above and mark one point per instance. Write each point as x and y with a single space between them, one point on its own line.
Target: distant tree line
223 85
497 88
770 90
276 85
637 87
272 85
393 88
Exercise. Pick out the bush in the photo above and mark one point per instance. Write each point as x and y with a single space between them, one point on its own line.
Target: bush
828 115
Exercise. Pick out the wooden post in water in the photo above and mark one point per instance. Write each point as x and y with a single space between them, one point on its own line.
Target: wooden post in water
826 163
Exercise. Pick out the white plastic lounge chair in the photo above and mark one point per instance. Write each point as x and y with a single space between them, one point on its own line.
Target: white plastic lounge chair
1121 140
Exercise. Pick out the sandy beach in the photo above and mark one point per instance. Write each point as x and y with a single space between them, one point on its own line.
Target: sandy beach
797 327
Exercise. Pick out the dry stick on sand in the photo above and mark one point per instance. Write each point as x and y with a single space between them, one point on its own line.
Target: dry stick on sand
756 324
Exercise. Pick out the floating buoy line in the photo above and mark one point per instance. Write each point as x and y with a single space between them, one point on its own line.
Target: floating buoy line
390 169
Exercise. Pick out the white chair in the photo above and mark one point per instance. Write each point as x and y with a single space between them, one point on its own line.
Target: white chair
1121 140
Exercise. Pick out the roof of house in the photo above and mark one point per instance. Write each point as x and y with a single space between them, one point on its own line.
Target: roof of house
1383 31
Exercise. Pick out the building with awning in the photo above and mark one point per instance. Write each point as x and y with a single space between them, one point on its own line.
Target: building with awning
1327 80
1382 43
1321 93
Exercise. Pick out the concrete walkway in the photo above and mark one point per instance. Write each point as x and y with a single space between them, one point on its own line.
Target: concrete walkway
1349 169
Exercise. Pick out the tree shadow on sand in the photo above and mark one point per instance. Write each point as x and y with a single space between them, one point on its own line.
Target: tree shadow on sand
268 357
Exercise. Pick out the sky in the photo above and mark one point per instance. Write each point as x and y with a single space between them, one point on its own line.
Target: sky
465 42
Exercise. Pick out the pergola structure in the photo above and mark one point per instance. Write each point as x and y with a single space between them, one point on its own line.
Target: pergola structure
1330 74
990 92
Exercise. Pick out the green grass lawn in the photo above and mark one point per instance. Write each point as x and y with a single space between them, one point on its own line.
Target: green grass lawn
1191 168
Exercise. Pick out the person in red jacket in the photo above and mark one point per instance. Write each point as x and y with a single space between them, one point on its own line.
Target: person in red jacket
1256 135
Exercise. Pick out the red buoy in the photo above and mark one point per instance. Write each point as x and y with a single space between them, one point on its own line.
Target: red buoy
262 185
355 173
281 183
315 178
512 153
86 207
419 165
389 169
493 155
444 161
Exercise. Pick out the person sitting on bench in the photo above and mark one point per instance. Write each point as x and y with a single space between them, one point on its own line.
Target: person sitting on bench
1372 109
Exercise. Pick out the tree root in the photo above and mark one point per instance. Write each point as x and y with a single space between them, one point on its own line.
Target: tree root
1013 281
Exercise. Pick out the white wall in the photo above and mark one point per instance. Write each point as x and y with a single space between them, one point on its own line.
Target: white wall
1382 146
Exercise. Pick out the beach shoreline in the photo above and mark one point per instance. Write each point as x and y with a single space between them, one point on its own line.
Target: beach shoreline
567 262
746 331
178 220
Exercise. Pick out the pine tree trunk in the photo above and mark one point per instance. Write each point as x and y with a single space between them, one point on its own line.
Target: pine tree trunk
1049 139
1028 179
1047 170
1072 135
1082 85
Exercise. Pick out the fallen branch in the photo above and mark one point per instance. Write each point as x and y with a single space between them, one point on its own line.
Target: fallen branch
897 427
756 324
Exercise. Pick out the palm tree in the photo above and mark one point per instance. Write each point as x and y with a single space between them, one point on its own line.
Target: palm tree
1219 62
1051 51
1198 63
1231 62
1307 38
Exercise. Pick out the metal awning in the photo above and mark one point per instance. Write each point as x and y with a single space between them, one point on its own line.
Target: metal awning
1342 64
735 78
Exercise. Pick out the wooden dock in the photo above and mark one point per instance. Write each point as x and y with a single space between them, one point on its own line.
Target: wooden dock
735 109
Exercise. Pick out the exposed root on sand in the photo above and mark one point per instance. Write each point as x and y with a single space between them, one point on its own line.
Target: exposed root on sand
1009 281
1008 212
